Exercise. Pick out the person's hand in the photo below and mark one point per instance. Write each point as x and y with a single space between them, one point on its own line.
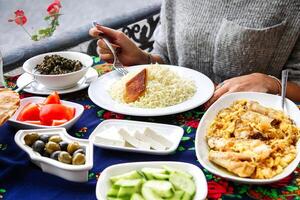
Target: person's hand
127 51
255 82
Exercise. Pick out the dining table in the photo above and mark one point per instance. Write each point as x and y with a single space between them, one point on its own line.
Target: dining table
21 179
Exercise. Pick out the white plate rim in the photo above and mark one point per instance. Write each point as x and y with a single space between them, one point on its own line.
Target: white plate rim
201 192
223 172
76 88
134 150
189 104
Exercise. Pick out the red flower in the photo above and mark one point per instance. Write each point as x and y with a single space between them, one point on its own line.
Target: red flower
217 189
193 124
20 18
54 7
283 182
112 115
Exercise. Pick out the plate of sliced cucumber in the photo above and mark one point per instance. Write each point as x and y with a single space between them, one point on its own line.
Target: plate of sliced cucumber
152 181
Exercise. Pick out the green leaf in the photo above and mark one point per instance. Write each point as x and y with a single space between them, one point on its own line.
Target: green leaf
2 190
181 148
291 188
42 31
35 37
189 129
47 18
185 138
191 148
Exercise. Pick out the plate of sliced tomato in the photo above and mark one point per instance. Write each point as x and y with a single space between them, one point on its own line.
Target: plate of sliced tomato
40 112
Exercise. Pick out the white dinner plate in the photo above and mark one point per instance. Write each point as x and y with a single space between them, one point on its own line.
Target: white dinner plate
98 93
103 183
171 132
23 125
267 100
36 88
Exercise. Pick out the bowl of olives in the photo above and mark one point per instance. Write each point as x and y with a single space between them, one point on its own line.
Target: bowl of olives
58 70
57 153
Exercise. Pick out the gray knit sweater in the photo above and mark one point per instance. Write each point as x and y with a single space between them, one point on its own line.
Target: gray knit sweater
229 38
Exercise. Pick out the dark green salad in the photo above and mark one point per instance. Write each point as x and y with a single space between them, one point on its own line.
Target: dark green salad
55 64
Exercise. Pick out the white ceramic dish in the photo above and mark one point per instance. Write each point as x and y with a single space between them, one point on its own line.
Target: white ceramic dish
76 173
22 125
61 81
36 88
104 184
268 100
171 132
98 92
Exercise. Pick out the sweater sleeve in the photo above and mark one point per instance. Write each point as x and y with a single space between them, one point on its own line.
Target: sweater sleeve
160 43
293 64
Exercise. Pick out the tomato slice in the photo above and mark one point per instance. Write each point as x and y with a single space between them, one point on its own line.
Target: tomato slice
53 98
58 122
36 122
52 112
70 112
31 112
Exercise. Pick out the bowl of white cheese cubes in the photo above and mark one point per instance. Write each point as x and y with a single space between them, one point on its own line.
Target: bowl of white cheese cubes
152 181
137 136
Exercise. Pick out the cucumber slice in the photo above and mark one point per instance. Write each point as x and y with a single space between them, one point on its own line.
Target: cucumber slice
113 198
150 171
160 176
128 175
148 194
177 195
126 192
136 196
112 192
129 182
128 187
182 182
170 170
187 196
161 188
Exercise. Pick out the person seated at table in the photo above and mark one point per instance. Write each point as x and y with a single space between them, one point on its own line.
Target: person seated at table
240 45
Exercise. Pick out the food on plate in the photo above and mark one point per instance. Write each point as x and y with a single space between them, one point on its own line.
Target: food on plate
135 87
164 87
251 140
55 148
151 184
50 113
9 103
146 139
55 64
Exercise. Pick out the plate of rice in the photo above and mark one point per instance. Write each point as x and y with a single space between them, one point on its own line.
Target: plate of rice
167 90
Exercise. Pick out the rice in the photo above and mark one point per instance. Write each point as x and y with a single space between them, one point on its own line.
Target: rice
164 88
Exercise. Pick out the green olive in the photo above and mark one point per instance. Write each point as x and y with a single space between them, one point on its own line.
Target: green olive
50 147
65 157
78 159
31 138
55 138
73 147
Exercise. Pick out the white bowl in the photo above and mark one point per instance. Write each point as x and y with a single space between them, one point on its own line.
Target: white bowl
76 173
23 125
171 132
103 184
61 81
268 100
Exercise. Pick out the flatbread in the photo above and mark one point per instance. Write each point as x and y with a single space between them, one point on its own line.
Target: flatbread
9 103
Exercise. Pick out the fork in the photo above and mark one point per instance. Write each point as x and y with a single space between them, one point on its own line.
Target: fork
284 77
117 65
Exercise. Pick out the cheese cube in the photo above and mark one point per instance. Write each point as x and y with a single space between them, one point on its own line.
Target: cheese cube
129 138
110 137
158 137
153 144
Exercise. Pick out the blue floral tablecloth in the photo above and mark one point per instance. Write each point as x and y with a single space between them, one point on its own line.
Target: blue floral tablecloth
21 179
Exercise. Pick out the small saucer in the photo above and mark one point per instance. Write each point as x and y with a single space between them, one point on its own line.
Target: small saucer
36 88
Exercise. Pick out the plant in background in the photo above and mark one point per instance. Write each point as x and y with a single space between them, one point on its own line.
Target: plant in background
53 11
